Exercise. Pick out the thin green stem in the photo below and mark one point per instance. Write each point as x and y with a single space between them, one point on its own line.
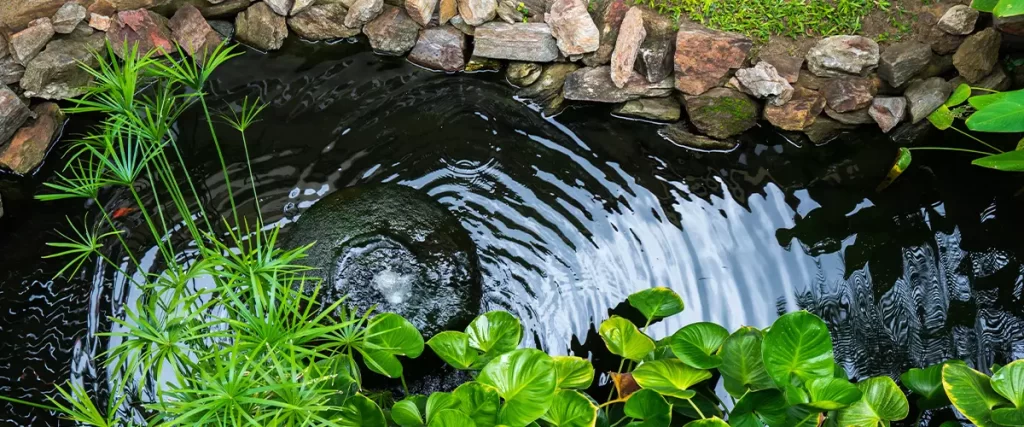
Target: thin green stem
695 408
976 139
963 150
220 156
27 403
252 180
168 256
405 388
113 226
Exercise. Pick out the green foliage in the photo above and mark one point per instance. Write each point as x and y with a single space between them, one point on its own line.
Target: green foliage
926 383
624 339
648 405
670 377
573 372
696 344
656 303
525 380
797 348
1000 8
882 402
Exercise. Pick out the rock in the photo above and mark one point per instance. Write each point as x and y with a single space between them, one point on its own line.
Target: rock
825 129
797 114
763 81
521 74
322 22
68 17
300 6
440 48
395 248
849 93
393 32
1010 24
939 65
658 48
28 147
143 28
13 113
925 96
902 61
678 134
228 9
260 27
479 64
786 57
656 109
703 57
449 8
477 12
998 80
888 111
595 84
224 28
837 56
943 43
81 30
855 117
26 44
573 27
811 81
191 31
10 70
977 55
280 7
958 20
466 29
56 73
547 90
631 35
607 16
363 11
908 134
507 12
421 10
516 42
721 112
17 14
101 7
99 22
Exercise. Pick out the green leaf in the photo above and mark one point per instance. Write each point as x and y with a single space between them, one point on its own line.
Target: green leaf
573 372
959 95
840 372
381 362
1009 383
571 408
883 401
360 411
525 378
1002 116
971 392
830 393
759 408
391 333
707 422
669 377
926 383
479 401
899 165
941 118
656 303
981 102
624 339
439 401
1012 161
1008 416
1007 8
696 344
453 347
662 350
742 367
411 411
798 345
495 332
984 5
647 404
451 418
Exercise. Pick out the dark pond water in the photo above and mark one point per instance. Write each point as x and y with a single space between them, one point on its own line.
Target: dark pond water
571 214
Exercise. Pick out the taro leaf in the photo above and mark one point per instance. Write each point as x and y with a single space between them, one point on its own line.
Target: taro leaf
902 162
1020 145
983 101
1003 116
495 332
1008 416
570 408
1009 383
360 411
525 378
648 405
656 303
883 401
391 333
439 401
451 418
840 372
830 393
624 339
686 407
453 348
926 383
803 416
479 401
759 408
984 5
971 392
573 372
1012 161
742 367
411 411
798 344
1007 8
669 377
707 422
941 118
662 350
696 344
381 362
959 95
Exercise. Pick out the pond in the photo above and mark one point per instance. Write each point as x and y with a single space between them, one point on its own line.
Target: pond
570 215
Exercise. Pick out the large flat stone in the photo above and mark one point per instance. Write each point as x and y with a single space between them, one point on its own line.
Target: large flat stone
393 32
440 48
799 113
595 84
28 147
322 22
657 109
703 57
517 42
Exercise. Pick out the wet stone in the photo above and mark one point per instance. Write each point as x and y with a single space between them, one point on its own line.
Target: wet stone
393 32
595 84
888 111
29 145
679 134
656 109
481 64
322 22
547 90
797 114
440 48
517 42
825 129
522 74
260 27
721 112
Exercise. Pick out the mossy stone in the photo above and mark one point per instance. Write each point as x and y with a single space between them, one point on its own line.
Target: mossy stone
722 112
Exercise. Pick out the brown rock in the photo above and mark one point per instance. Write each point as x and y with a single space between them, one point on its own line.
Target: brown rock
595 84
516 42
797 114
101 7
849 93
363 11
978 55
888 111
811 81
17 14
99 22
322 22
855 117
658 48
825 129
573 27
440 48
703 57
421 10
28 147
449 8
26 44
57 72
631 35
143 28
721 112
786 55
10 70
191 31
943 43
13 113
260 27
393 32
477 12
301 6
68 17
607 16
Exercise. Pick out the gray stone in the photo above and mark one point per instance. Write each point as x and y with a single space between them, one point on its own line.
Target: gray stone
547 90
888 111
300 6
259 27
280 7
799 113
656 109
595 84
440 48
658 48
420 10
508 12
855 117
607 16
224 28
363 11
631 35
925 96
477 12
943 43
939 65
10 70
13 113
902 61
763 81
393 32
825 129
516 42
521 74
322 22
978 55
191 31
56 73
466 29
959 20
845 94
26 44
573 27
721 112
837 56
679 134
704 57
68 17
29 145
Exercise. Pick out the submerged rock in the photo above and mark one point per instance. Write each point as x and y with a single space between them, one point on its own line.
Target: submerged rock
925 96
440 48
28 147
261 28
57 72
522 74
825 129
721 112
704 56
678 133
517 42
547 90
322 22
396 248
978 55
595 84
393 32
837 56
657 109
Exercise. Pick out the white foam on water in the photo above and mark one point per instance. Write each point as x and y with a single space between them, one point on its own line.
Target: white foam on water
395 287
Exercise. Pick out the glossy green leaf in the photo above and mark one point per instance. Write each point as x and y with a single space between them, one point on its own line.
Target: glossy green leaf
453 347
451 418
526 379
495 332
942 118
382 362
926 383
971 392
570 408
803 416
959 95
360 411
840 372
899 165
662 350
759 408
883 401
439 401
984 5
685 407
1012 161
981 102
1020 145
624 339
1007 8
1008 416
797 345
742 367
656 303
479 401
707 422
669 377
411 411
1002 116
391 333
647 404
1009 382
573 372
696 344
830 393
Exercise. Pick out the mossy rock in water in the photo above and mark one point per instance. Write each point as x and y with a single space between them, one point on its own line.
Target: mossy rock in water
395 248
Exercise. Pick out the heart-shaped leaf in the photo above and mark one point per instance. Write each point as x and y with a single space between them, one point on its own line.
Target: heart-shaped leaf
959 95
759 408
571 408
656 303
971 392
742 367
882 402
1012 161
393 334
696 344
381 362
830 393
1002 116
1009 383
707 422
647 404
623 339
360 411
525 378
573 372
926 383
411 411
439 401
942 118
981 102
479 401
798 345
669 377
451 418
453 347
495 332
